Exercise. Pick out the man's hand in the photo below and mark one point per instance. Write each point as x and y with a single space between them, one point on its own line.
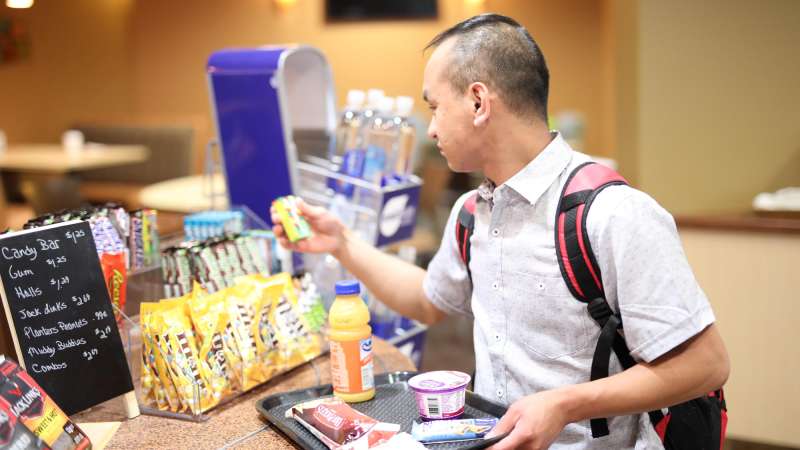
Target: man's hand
534 421
328 230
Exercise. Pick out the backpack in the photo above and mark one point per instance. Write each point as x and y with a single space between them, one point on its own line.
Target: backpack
697 424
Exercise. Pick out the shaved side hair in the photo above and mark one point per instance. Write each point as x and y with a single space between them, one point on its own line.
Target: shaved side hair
499 52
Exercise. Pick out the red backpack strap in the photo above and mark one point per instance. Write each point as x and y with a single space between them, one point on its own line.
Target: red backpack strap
575 257
465 225
580 270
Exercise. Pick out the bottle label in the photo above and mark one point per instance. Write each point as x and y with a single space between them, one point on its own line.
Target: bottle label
351 366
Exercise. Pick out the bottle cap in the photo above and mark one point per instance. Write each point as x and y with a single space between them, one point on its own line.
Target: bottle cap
347 287
404 105
374 97
355 98
386 104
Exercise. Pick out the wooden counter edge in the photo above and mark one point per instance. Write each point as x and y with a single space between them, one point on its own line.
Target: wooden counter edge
740 222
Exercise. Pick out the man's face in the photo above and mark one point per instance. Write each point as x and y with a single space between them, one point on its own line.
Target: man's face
452 115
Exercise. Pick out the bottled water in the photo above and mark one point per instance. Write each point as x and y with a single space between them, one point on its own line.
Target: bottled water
403 160
348 131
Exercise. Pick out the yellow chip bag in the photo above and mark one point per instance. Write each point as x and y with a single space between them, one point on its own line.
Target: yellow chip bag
163 389
296 343
216 341
240 305
267 344
189 373
149 379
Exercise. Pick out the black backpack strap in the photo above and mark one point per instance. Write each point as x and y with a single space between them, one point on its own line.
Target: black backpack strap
581 272
465 225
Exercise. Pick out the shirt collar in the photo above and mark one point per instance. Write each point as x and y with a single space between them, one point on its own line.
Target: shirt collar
538 175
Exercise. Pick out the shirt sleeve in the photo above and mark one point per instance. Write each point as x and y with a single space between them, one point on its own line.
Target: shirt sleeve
645 272
447 284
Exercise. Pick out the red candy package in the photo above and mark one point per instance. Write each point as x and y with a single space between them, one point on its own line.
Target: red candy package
339 426
116 276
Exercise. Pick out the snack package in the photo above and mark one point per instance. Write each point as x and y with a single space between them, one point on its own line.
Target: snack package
216 341
452 430
135 240
279 320
164 392
189 373
240 304
310 304
113 265
37 411
294 224
263 330
260 244
339 426
297 344
14 434
149 376
150 238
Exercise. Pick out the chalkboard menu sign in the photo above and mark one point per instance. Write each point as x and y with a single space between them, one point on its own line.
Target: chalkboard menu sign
60 315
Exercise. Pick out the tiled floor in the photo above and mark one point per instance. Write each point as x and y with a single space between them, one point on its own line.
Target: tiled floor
448 346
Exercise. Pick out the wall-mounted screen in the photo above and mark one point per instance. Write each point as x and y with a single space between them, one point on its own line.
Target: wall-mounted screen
379 9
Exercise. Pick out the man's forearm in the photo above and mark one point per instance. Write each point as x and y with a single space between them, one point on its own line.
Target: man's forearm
691 370
393 281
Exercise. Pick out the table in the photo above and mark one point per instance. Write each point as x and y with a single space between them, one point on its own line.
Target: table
45 170
186 194
54 160
236 424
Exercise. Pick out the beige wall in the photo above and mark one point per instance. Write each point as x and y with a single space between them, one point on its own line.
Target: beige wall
169 55
78 66
719 103
755 301
145 59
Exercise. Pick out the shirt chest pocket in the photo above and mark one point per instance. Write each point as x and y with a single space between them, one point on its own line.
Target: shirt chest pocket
547 319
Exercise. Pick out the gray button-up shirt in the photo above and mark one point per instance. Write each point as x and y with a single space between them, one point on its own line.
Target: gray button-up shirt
530 334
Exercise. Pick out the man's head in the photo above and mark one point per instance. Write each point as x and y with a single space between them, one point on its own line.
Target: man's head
480 67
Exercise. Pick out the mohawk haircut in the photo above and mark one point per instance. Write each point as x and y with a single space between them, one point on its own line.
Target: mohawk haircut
499 52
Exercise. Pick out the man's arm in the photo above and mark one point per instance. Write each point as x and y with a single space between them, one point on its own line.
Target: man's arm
396 283
696 367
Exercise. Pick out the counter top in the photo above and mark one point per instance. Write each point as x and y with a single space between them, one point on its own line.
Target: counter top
766 223
233 425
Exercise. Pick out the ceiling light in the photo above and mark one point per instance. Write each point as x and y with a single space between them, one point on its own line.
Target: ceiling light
19 3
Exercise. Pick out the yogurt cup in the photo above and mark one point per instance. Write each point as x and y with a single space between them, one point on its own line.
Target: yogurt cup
440 394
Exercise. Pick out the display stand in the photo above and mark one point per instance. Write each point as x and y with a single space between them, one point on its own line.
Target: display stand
133 345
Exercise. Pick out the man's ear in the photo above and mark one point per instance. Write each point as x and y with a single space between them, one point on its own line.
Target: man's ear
479 95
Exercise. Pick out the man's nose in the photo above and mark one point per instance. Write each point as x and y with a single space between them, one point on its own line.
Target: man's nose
432 130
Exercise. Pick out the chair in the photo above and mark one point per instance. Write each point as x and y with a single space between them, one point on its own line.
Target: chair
12 215
171 156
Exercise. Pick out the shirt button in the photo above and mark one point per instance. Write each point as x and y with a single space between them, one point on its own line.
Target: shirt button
500 393
496 232
495 285
497 337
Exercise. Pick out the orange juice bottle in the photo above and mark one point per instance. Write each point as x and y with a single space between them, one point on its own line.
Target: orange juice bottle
350 339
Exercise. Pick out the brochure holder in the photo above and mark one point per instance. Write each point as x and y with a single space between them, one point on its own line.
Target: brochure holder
272 106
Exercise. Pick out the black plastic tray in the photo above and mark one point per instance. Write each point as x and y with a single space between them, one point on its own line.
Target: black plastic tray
394 402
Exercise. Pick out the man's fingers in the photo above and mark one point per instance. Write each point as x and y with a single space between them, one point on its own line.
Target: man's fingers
510 442
505 424
310 212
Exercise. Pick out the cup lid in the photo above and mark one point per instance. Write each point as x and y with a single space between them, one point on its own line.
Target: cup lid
439 380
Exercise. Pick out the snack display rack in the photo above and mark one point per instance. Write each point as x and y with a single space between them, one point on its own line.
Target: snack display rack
148 285
132 339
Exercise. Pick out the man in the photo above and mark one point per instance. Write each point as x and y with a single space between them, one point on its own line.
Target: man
486 83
